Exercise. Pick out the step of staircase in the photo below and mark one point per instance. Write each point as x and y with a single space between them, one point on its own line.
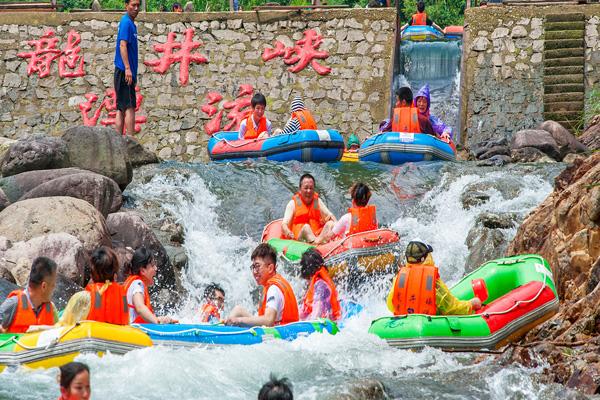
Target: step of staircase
564 88
564 62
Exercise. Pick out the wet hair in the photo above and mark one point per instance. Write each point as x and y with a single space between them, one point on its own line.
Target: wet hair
175 6
310 263
69 371
210 290
141 257
104 264
421 6
266 252
276 389
404 93
41 269
304 177
257 99
360 194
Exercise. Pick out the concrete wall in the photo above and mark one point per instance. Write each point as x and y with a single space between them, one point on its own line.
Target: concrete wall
354 97
503 73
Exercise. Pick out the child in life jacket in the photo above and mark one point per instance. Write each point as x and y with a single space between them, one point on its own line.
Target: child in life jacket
256 125
214 300
360 217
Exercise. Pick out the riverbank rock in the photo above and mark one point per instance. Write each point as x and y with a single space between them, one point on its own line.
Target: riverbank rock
489 148
100 191
5 144
488 239
31 218
537 138
64 289
565 229
100 150
128 229
34 153
14 187
137 154
5 288
363 389
530 155
591 136
566 141
66 250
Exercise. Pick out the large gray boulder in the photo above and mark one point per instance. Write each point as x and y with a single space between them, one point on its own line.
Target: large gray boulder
488 239
65 249
14 187
100 191
128 229
33 153
138 155
489 148
539 139
567 142
31 218
65 288
530 155
101 150
5 144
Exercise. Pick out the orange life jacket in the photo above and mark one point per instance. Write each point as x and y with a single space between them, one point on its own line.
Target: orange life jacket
110 306
25 316
414 292
138 319
252 133
419 19
305 118
306 214
362 219
290 307
406 119
208 310
307 303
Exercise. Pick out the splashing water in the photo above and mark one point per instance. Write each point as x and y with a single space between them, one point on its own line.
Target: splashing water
223 209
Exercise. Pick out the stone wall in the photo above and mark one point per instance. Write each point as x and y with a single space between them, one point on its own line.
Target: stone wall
503 73
353 97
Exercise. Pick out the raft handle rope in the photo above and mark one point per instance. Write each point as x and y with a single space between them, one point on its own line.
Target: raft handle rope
194 331
518 302
349 237
52 343
229 143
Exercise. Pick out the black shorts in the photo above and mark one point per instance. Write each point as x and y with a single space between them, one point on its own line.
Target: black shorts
125 93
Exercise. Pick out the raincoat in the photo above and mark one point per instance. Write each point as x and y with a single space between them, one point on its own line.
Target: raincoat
438 126
446 302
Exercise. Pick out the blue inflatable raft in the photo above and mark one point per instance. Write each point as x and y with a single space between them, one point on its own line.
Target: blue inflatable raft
306 145
398 147
198 334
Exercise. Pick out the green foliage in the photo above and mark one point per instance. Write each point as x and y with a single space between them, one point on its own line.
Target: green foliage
592 105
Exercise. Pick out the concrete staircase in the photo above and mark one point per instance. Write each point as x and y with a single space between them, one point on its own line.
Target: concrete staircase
564 74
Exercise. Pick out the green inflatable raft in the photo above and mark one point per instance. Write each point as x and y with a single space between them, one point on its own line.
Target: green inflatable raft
518 293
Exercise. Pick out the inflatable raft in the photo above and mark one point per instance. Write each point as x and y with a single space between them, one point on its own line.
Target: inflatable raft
193 335
306 145
349 156
370 252
518 293
453 32
421 34
398 147
58 346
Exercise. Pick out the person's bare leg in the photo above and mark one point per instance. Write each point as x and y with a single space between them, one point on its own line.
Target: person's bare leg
306 234
119 122
130 121
325 234
239 311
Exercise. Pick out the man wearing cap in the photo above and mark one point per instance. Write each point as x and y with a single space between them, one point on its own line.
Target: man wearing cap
413 291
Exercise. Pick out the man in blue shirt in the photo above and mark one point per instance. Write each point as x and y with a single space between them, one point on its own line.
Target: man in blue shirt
126 64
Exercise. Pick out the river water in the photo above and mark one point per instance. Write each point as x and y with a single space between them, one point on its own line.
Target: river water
223 208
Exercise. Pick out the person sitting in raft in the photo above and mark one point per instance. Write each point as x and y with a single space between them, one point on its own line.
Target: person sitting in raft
420 19
361 217
301 118
321 298
306 216
26 309
214 300
74 379
104 300
353 144
278 304
422 102
410 293
256 125
406 117
142 273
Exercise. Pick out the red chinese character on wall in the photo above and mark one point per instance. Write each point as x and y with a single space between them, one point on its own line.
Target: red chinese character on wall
238 110
303 53
70 63
183 55
109 103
